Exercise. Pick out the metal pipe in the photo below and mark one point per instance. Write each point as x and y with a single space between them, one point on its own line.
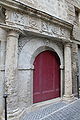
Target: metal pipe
78 85
5 98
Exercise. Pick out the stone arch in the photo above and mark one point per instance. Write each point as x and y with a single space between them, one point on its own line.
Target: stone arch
25 66
33 48
41 49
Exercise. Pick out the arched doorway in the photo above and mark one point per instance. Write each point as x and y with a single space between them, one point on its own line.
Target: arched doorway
46 76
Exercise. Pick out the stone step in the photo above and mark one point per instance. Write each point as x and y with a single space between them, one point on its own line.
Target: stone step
42 112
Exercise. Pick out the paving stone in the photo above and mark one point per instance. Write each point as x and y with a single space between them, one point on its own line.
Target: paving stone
70 112
37 115
58 111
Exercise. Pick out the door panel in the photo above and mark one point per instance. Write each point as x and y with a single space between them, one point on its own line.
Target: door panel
46 81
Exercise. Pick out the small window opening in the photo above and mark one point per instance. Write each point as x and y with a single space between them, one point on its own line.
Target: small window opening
76 22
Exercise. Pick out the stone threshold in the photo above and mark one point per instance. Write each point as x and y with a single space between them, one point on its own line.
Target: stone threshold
38 106
45 103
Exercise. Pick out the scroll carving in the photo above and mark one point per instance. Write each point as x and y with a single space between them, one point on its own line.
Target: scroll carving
33 23
45 27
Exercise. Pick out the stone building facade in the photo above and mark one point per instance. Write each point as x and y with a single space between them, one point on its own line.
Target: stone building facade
28 28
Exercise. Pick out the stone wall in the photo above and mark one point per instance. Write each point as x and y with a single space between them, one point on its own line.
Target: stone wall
56 8
30 32
74 67
63 9
31 47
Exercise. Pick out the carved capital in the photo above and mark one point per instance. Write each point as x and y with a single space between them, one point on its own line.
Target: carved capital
13 33
68 44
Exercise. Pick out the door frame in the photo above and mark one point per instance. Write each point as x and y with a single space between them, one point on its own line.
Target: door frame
39 45
51 56
61 80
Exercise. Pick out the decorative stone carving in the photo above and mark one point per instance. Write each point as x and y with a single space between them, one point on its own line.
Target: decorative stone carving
62 31
15 18
55 30
35 24
46 42
18 18
44 27
21 43
32 23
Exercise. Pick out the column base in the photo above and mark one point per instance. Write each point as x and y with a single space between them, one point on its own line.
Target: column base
14 115
69 98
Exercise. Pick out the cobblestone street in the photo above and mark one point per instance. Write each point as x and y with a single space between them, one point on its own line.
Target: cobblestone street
57 111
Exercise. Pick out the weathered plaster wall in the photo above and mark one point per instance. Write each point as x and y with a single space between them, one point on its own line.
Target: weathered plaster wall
63 9
56 8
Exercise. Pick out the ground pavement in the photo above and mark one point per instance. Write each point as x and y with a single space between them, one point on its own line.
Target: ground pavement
57 111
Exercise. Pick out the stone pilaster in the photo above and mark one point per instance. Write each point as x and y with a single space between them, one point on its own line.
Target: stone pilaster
11 71
61 77
2 59
75 64
2 67
68 72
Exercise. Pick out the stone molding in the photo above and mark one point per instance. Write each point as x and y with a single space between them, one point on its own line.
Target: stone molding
36 25
9 27
68 44
39 47
27 9
61 67
13 33
36 21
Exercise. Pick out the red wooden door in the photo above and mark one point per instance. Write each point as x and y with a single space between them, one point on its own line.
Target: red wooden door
46 77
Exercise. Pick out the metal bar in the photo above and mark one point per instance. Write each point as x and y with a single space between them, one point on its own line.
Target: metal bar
78 85
5 98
